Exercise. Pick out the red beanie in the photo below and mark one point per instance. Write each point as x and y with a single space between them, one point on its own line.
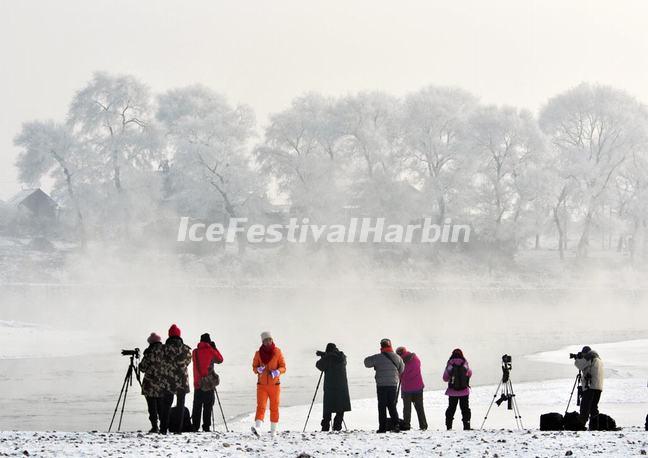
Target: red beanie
174 331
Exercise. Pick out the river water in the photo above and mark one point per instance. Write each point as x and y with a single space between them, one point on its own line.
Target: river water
73 373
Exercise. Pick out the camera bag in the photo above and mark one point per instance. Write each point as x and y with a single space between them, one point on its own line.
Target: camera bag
552 421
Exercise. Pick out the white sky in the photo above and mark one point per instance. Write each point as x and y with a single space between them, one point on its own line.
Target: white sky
264 53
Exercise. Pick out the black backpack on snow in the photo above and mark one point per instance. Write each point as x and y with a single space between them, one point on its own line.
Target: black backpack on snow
459 379
602 422
174 420
552 422
573 423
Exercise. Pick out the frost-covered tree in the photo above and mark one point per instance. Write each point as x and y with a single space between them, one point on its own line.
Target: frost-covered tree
505 141
49 149
372 143
208 146
595 129
112 118
302 150
434 122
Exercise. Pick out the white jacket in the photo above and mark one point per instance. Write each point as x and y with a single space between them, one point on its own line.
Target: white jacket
592 369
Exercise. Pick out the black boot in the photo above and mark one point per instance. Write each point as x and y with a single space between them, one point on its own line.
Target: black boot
448 423
326 425
466 425
154 428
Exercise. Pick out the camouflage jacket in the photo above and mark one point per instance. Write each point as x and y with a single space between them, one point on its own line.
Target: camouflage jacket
153 384
175 361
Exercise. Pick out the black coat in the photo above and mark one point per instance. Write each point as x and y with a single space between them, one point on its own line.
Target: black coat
336 387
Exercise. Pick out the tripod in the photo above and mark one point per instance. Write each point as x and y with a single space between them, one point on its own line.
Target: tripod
128 381
579 392
507 395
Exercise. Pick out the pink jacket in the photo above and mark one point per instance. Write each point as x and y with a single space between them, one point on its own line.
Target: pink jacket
411 378
446 377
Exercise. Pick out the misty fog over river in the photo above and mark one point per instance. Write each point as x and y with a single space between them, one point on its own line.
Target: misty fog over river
89 324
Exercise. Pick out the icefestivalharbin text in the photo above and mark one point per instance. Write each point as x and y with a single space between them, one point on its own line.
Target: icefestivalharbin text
358 230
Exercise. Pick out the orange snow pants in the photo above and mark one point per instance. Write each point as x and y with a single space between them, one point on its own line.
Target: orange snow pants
265 392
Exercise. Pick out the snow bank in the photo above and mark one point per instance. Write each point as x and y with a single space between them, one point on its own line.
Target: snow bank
501 443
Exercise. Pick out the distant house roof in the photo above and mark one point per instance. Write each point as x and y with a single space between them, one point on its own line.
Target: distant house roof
35 200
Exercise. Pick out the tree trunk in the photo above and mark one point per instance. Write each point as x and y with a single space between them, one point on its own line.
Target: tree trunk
583 242
561 247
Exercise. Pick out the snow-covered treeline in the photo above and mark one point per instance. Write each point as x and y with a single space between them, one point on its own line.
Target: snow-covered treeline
124 158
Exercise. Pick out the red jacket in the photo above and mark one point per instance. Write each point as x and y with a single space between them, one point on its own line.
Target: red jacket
202 358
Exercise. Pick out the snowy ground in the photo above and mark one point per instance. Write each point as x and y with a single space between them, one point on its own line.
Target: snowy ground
625 398
492 443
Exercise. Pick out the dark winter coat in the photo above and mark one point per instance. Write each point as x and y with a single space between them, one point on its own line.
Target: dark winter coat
175 361
336 387
153 383
388 366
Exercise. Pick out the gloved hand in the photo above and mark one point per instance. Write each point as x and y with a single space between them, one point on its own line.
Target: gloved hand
260 369
319 353
275 373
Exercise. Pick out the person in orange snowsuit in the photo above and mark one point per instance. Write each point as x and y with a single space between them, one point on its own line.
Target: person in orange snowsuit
268 365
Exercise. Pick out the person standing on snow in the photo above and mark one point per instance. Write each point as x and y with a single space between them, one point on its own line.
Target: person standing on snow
153 387
336 387
412 388
176 359
457 373
268 365
203 359
591 367
388 366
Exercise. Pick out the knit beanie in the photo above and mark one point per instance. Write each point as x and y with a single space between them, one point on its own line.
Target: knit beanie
174 331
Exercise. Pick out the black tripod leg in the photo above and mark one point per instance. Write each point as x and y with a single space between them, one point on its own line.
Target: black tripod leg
516 409
128 381
121 392
572 392
491 404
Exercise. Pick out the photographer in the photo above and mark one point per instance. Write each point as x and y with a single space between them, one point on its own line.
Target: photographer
412 389
336 388
204 357
153 384
457 373
591 367
176 357
389 367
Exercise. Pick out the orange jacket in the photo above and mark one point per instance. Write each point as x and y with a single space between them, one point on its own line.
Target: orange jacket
276 363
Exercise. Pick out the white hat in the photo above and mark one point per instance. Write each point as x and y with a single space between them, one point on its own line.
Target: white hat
266 335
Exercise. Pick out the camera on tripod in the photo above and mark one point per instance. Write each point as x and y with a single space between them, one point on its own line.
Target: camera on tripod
133 369
135 353
507 365
506 394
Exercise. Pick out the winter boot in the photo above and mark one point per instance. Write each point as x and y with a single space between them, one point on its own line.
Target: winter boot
154 428
326 425
273 429
466 425
448 423
256 429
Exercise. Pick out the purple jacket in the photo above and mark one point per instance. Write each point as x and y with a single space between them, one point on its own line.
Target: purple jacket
448 371
411 378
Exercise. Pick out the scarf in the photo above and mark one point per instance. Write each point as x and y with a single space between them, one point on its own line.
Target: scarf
386 350
266 353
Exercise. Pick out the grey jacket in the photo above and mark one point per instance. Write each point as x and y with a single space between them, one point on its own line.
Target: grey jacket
387 372
592 368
